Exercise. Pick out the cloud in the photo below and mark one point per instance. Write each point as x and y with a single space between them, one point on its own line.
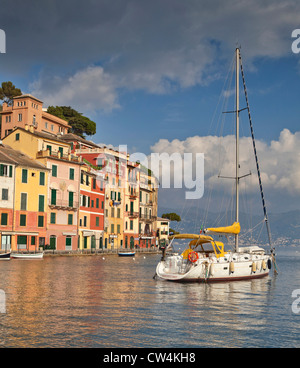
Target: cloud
279 162
87 89
155 46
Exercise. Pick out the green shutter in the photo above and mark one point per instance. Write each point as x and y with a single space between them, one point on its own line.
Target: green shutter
3 218
71 177
54 170
52 218
41 203
40 221
10 171
22 220
70 219
71 197
42 178
53 196
24 175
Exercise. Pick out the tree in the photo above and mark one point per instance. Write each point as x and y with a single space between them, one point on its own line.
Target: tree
172 216
8 91
80 124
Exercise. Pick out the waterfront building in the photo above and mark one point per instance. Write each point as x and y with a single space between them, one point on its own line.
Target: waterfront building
111 165
24 200
163 229
148 208
27 109
7 195
131 215
63 183
91 210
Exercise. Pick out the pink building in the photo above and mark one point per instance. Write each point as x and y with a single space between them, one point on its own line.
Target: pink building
28 110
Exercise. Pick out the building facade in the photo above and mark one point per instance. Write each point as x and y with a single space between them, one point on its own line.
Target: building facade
28 110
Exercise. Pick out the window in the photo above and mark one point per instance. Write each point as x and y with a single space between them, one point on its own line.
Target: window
46 125
131 225
68 241
42 178
94 183
23 205
41 203
22 220
70 219
40 221
17 136
71 197
118 213
52 218
54 170
71 174
4 218
24 175
97 221
118 229
49 148
33 240
19 117
53 196
4 194
84 221
112 228
97 202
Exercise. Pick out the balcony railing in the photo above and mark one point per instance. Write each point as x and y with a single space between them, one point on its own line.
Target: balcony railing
59 155
147 218
132 214
64 204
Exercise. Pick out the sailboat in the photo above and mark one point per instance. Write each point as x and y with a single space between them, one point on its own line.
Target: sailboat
205 259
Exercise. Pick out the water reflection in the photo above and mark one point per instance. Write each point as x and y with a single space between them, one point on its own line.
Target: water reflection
91 302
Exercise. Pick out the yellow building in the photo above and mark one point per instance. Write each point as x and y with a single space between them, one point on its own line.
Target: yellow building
62 184
29 224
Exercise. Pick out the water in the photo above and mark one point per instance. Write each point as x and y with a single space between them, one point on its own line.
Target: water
115 302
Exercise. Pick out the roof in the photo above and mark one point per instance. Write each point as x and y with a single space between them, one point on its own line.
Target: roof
163 219
10 156
39 134
73 137
28 95
54 118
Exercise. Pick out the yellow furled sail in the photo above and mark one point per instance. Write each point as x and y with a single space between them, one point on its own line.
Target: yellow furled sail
234 229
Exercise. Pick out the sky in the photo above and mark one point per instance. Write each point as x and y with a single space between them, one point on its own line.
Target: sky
150 74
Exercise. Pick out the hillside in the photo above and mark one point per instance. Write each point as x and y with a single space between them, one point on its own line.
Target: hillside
285 227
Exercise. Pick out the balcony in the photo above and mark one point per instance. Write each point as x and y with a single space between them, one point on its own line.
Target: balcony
147 218
131 214
64 205
58 155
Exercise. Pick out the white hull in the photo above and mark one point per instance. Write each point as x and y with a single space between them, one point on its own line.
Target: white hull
231 267
27 255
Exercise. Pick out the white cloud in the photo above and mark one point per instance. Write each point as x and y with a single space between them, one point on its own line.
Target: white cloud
279 161
88 89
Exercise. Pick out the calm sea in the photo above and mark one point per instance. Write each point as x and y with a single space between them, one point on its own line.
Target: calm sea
89 301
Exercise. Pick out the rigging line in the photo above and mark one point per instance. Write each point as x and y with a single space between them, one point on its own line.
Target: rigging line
256 158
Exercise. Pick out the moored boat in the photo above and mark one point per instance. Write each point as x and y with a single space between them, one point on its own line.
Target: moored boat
205 259
27 255
5 256
126 253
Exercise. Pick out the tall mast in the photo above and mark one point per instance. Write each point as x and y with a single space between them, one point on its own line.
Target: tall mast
237 52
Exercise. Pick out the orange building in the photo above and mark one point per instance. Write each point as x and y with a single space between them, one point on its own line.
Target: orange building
28 110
